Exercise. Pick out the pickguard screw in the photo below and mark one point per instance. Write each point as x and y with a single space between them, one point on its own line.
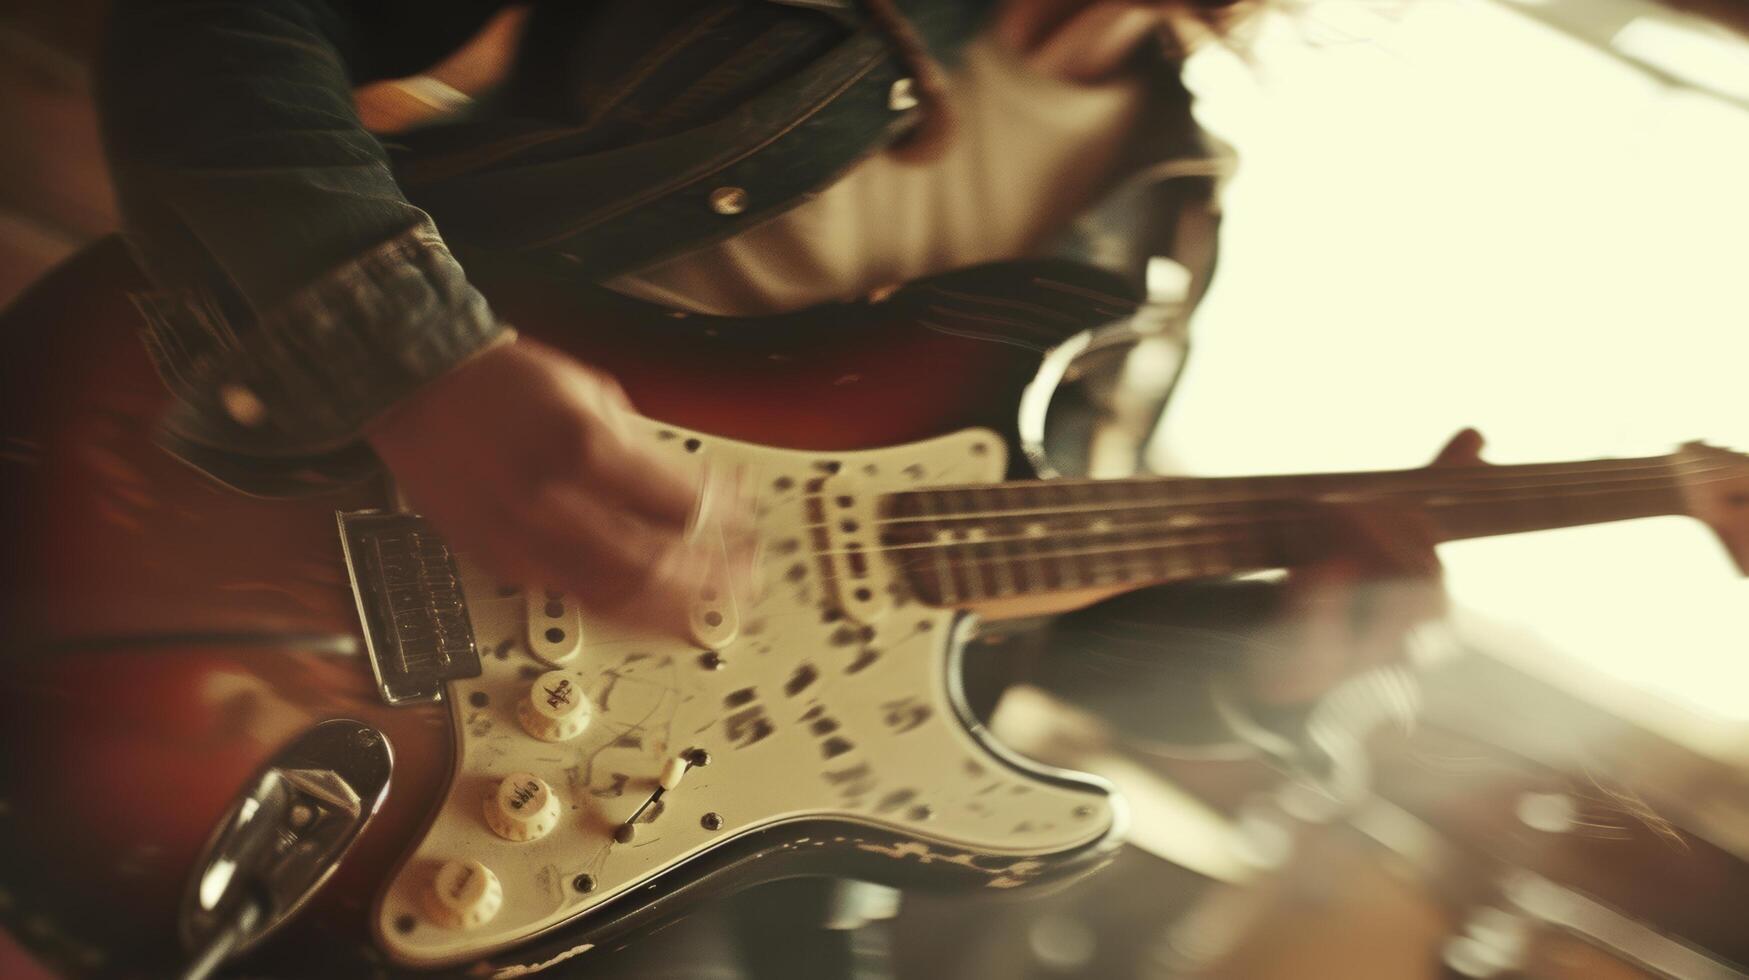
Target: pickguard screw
583 883
710 660
921 813
404 923
711 821
1083 811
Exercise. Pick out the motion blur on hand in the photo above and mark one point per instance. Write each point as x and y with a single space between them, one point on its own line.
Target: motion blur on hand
530 463
1355 610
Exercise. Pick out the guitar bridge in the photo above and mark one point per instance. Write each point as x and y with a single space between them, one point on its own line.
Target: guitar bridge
410 603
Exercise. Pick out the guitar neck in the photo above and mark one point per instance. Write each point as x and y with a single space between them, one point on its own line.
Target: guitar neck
964 545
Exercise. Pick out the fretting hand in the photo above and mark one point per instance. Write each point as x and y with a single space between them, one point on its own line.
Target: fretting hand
1354 611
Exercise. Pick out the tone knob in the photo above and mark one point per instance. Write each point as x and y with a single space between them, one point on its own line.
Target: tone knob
464 894
556 707
524 808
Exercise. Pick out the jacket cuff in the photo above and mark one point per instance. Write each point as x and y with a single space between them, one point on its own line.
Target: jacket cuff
304 378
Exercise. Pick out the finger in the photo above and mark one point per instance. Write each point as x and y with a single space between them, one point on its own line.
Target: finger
1386 540
1311 588
1314 654
1315 636
1394 610
618 565
732 522
1463 449
623 461
604 443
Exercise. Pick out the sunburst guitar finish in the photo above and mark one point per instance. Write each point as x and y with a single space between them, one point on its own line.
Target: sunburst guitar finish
588 783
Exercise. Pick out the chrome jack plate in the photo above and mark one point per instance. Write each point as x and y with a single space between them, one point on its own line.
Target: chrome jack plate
282 837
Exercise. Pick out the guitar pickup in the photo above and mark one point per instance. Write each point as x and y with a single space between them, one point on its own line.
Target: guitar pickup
410 603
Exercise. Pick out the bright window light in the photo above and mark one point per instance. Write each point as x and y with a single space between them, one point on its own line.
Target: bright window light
1466 217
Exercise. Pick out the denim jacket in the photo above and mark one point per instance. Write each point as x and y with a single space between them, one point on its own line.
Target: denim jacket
303 284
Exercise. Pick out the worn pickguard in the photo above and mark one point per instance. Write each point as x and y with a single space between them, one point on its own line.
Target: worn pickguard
808 711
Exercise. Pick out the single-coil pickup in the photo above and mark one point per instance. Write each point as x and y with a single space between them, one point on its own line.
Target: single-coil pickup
555 626
846 522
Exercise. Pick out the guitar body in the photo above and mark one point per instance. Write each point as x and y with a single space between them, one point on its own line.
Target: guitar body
165 634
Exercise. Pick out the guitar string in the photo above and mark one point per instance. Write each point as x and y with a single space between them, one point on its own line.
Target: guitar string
1270 510
1655 472
1664 469
1665 478
1161 547
1158 551
1166 543
1474 474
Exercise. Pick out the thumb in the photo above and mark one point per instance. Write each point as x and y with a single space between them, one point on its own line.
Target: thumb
1463 449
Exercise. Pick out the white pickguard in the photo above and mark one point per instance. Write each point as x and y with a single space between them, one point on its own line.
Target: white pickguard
806 716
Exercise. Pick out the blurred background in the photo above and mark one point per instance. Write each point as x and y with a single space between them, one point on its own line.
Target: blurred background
1528 216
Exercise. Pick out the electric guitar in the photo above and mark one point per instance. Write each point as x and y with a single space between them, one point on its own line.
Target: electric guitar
558 782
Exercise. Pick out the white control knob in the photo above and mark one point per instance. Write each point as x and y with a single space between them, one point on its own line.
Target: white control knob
556 707
523 808
464 894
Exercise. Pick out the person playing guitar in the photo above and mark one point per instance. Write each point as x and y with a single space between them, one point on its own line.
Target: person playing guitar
731 164
360 327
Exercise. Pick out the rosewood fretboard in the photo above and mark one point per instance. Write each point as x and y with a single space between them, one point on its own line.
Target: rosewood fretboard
962 545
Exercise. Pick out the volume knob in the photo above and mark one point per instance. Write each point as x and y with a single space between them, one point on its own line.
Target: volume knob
524 808
556 707
464 894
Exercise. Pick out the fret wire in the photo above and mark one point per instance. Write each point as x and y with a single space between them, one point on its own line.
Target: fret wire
1086 562
1004 573
983 575
1028 567
944 570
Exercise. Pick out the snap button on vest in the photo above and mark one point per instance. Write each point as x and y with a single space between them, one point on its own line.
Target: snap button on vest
728 200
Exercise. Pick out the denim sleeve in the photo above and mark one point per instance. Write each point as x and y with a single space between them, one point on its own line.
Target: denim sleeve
298 292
